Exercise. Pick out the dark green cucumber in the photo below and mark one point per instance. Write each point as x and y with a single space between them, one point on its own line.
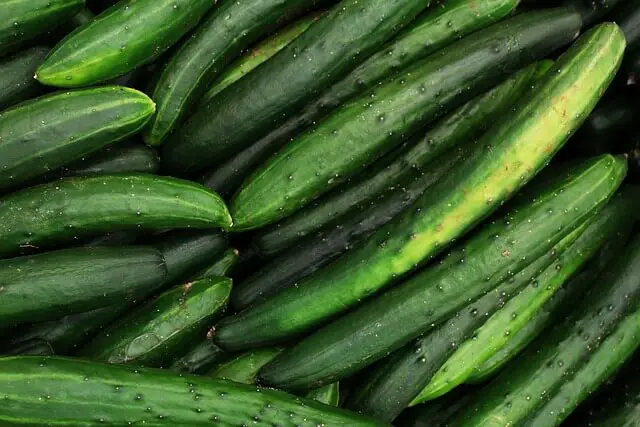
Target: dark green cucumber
466 123
469 193
53 284
328 394
32 348
120 395
199 359
223 265
76 207
329 49
490 256
164 328
116 238
592 11
23 20
16 76
438 412
549 380
99 6
432 30
627 16
244 368
127 35
366 127
54 37
46 133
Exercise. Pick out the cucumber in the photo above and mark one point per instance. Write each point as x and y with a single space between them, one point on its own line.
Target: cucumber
434 29
122 395
22 20
199 359
627 16
244 368
224 34
592 12
129 34
54 37
223 265
258 54
16 76
32 348
436 413
370 125
329 49
329 394
554 374
467 195
466 123
116 238
162 329
489 257
45 133
84 279
77 207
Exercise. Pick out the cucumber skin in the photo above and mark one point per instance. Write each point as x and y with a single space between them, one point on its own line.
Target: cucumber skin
244 368
30 348
627 16
223 266
427 34
465 197
199 359
366 127
48 132
16 76
465 123
537 371
94 205
84 278
169 395
119 40
23 20
160 330
329 394
591 12
330 48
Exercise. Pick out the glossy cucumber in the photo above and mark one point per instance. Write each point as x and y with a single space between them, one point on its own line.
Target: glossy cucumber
45 133
466 123
244 368
23 20
329 49
124 395
598 335
16 76
366 127
164 328
75 207
223 265
53 284
129 34
328 394
199 359
490 256
434 29
468 194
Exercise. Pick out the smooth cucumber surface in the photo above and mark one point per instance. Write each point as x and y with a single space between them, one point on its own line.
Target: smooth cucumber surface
467 195
43 134
77 207
330 48
329 394
16 76
88 394
592 12
129 34
432 30
223 265
244 368
362 130
199 359
627 16
83 279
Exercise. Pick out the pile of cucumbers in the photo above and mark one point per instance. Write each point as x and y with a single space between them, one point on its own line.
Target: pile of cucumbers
319 213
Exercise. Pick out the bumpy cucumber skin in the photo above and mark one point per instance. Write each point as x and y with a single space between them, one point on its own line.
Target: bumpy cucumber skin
77 207
162 329
16 76
199 359
465 123
117 395
594 336
320 56
244 368
431 31
84 279
43 134
127 35
22 20
467 195
366 127
223 266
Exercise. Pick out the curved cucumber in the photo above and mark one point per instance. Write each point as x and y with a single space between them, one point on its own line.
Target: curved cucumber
244 368
157 332
16 76
464 124
330 48
54 284
597 337
46 133
434 29
199 359
23 20
468 194
125 394
76 207
129 34
223 265
362 130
